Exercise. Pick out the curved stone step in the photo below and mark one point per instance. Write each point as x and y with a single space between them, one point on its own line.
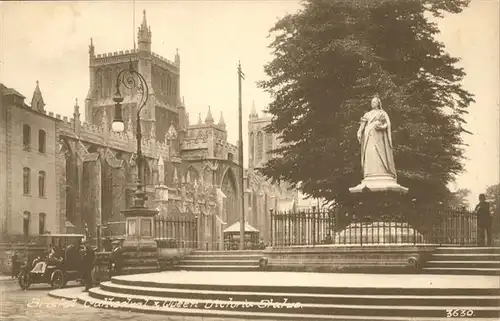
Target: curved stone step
228 253
466 257
464 264
220 262
371 299
222 257
272 307
317 283
461 270
467 249
92 302
221 267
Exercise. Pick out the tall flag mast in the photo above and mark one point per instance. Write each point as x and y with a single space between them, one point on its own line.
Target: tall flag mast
133 30
241 76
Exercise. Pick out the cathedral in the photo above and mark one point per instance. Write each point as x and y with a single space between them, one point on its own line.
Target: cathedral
95 170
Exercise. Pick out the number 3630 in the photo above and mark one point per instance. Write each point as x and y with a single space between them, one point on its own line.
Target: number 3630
459 313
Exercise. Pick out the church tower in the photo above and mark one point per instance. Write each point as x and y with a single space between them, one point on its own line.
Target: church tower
260 143
164 107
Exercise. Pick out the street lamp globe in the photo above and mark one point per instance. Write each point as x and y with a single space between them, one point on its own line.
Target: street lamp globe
117 126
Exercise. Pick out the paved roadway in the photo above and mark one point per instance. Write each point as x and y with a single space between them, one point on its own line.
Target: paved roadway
35 305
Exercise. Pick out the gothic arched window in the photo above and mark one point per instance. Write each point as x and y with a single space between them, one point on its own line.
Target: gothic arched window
99 80
269 142
260 147
169 85
174 87
107 83
231 210
251 142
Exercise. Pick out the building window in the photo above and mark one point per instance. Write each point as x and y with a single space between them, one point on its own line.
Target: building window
26 137
41 183
26 180
260 147
251 142
41 141
269 142
41 223
26 223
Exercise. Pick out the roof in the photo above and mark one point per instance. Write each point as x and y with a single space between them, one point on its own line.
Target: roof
9 91
236 228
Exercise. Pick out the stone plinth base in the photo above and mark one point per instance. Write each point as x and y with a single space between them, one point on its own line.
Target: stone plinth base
379 184
379 233
400 258
139 256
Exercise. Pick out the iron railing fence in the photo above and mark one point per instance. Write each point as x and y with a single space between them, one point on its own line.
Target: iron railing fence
337 226
184 231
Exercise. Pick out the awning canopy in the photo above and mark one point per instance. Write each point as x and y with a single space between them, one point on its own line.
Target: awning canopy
235 228
286 205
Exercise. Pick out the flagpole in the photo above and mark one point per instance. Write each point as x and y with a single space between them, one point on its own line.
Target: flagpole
133 27
241 76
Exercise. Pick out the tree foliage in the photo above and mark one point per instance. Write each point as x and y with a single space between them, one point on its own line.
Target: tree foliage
330 58
493 196
459 199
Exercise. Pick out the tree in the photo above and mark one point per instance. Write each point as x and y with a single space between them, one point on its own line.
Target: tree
458 199
330 58
493 196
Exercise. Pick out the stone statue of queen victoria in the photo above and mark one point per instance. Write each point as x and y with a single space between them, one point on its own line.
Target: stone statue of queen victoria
377 160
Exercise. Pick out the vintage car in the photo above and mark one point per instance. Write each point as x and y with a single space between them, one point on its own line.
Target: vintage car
56 272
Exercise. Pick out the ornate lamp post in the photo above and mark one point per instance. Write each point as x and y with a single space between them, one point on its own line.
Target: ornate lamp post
131 79
139 219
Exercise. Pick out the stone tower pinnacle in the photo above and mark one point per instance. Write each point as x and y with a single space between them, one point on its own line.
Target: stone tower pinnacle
222 123
144 35
91 48
253 112
209 120
37 102
177 57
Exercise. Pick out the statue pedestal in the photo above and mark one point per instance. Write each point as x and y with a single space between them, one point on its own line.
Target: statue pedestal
139 227
380 213
139 249
381 183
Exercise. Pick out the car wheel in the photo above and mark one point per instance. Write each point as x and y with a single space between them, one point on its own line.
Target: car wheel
57 279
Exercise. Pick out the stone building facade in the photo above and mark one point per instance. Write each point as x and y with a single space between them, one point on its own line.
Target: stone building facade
29 166
261 195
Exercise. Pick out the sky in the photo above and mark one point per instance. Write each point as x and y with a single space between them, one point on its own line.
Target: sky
48 42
